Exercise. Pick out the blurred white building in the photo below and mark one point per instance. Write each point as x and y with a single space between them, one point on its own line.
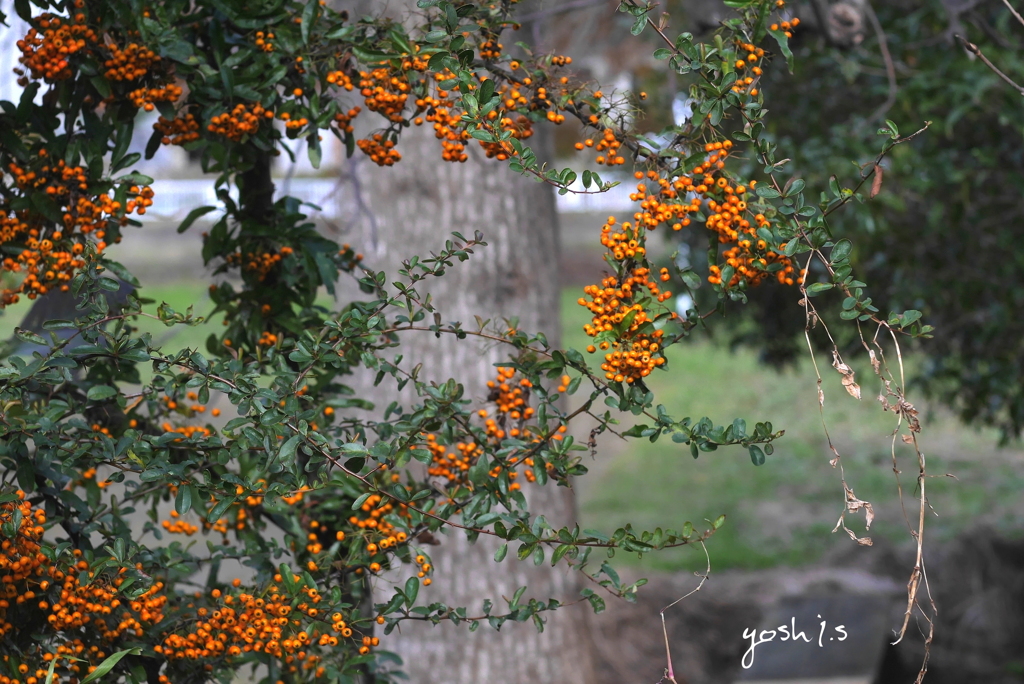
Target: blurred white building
10 34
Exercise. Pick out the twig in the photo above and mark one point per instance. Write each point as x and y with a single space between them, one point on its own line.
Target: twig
669 672
1014 12
974 49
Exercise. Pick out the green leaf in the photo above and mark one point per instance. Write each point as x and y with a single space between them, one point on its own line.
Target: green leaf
288 448
412 589
795 187
100 392
500 554
767 191
815 289
638 25
313 150
29 336
101 85
309 13
559 552
49 671
756 455
691 279
183 499
841 250
108 664
220 509
400 41
783 41
192 216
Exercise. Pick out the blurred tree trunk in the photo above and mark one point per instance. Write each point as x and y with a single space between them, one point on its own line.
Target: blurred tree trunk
414 207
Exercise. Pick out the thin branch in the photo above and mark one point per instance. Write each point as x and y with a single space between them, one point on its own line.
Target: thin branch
1014 12
974 49
670 674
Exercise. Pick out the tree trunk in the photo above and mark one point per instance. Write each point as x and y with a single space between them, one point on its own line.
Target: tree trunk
415 206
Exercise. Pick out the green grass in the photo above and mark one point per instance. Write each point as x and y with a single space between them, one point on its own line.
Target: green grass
779 513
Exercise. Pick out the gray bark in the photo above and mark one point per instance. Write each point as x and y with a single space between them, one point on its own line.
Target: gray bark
415 206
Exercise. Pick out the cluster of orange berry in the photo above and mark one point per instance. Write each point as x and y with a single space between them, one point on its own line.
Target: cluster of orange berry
263 41
385 93
82 607
243 623
51 256
453 467
490 49
664 205
730 217
447 122
748 64
340 79
382 152
520 127
46 266
177 525
375 510
90 473
293 124
47 54
130 63
608 146
186 431
425 568
511 400
634 354
260 264
242 120
344 119
177 131
786 26
145 98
